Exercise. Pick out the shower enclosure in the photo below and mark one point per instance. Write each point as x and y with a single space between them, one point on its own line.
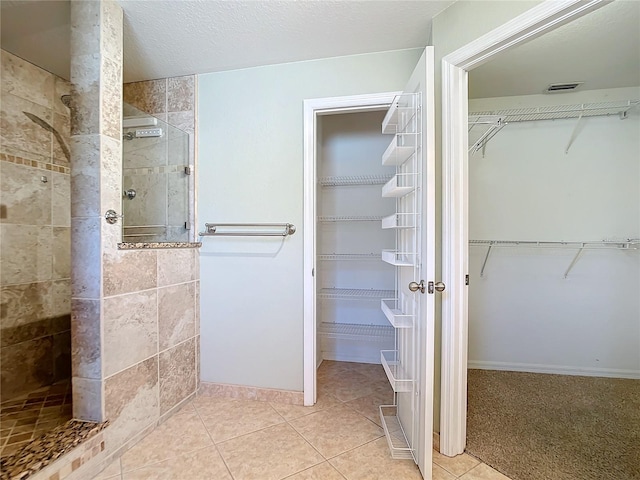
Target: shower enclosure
35 267
156 179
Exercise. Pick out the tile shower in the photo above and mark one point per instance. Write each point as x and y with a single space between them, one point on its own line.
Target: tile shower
35 340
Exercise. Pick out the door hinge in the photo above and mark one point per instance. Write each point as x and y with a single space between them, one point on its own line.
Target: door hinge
187 226
187 170
466 279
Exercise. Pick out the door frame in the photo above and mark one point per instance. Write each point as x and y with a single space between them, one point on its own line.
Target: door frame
312 109
533 23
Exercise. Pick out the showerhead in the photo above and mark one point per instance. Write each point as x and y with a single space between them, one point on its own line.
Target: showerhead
66 100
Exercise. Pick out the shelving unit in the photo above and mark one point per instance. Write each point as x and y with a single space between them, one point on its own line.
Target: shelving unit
340 257
351 218
354 180
354 331
400 364
353 294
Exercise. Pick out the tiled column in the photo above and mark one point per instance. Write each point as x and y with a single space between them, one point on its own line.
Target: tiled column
96 165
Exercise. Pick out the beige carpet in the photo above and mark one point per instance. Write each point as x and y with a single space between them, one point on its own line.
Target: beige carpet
533 426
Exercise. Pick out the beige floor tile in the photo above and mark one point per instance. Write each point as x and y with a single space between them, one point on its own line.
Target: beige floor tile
369 405
227 418
336 430
439 473
347 387
269 454
483 472
458 465
373 462
324 471
204 464
289 412
182 433
112 471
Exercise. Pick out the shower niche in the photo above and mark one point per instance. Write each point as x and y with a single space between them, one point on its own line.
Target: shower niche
157 179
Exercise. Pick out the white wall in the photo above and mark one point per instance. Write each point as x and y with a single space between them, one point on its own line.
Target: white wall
250 170
523 314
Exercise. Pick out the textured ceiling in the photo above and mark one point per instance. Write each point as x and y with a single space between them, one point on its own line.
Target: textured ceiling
166 38
602 49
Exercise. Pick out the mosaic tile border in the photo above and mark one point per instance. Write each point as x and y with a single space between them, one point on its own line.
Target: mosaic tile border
4 157
157 245
155 170
62 440
208 389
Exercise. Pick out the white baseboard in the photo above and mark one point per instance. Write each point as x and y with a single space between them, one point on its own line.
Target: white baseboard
555 369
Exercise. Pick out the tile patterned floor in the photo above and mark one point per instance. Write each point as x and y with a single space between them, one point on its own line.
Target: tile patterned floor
339 438
26 418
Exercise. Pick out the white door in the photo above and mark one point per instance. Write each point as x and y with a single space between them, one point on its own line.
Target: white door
423 238
414 411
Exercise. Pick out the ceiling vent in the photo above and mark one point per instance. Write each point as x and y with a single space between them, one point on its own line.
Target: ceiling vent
563 87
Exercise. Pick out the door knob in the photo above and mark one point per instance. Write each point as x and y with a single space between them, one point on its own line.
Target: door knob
439 286
414 286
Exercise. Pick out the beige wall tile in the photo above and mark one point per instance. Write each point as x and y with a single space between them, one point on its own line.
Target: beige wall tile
86 269
129 271
26 366
131 400
111 98
25 256
58 298
180 94
86 339
112 470
21 132
60 199
85 28
85 73
176 315
130 330
22 303
175 266
61 152
182 120
149 96
111 30
87 399
110 174
61 87
26 199
25 80
61 253
177 374
85 176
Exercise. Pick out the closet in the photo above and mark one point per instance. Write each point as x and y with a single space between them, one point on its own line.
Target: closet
351 277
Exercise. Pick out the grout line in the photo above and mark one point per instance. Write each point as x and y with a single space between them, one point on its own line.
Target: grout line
212 441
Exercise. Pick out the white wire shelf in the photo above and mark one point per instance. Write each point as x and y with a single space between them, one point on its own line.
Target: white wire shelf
354 293
394 433
349 257
398 259
399 220
354 180
353 331
397 318
557 112
483 128
351 218
399 186
397 375
629 244
401 148
403 109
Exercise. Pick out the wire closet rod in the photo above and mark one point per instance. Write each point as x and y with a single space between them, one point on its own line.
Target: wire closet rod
248 230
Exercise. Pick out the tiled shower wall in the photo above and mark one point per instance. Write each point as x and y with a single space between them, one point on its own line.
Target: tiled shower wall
135 312
35 291
154 167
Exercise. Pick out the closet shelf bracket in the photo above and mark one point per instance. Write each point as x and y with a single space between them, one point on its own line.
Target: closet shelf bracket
573 262
486 257
574 134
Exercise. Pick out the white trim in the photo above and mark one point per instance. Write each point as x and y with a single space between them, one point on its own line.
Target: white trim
555 369
313 108
531 24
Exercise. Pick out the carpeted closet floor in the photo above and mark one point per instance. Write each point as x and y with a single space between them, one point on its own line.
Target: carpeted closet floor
532 426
